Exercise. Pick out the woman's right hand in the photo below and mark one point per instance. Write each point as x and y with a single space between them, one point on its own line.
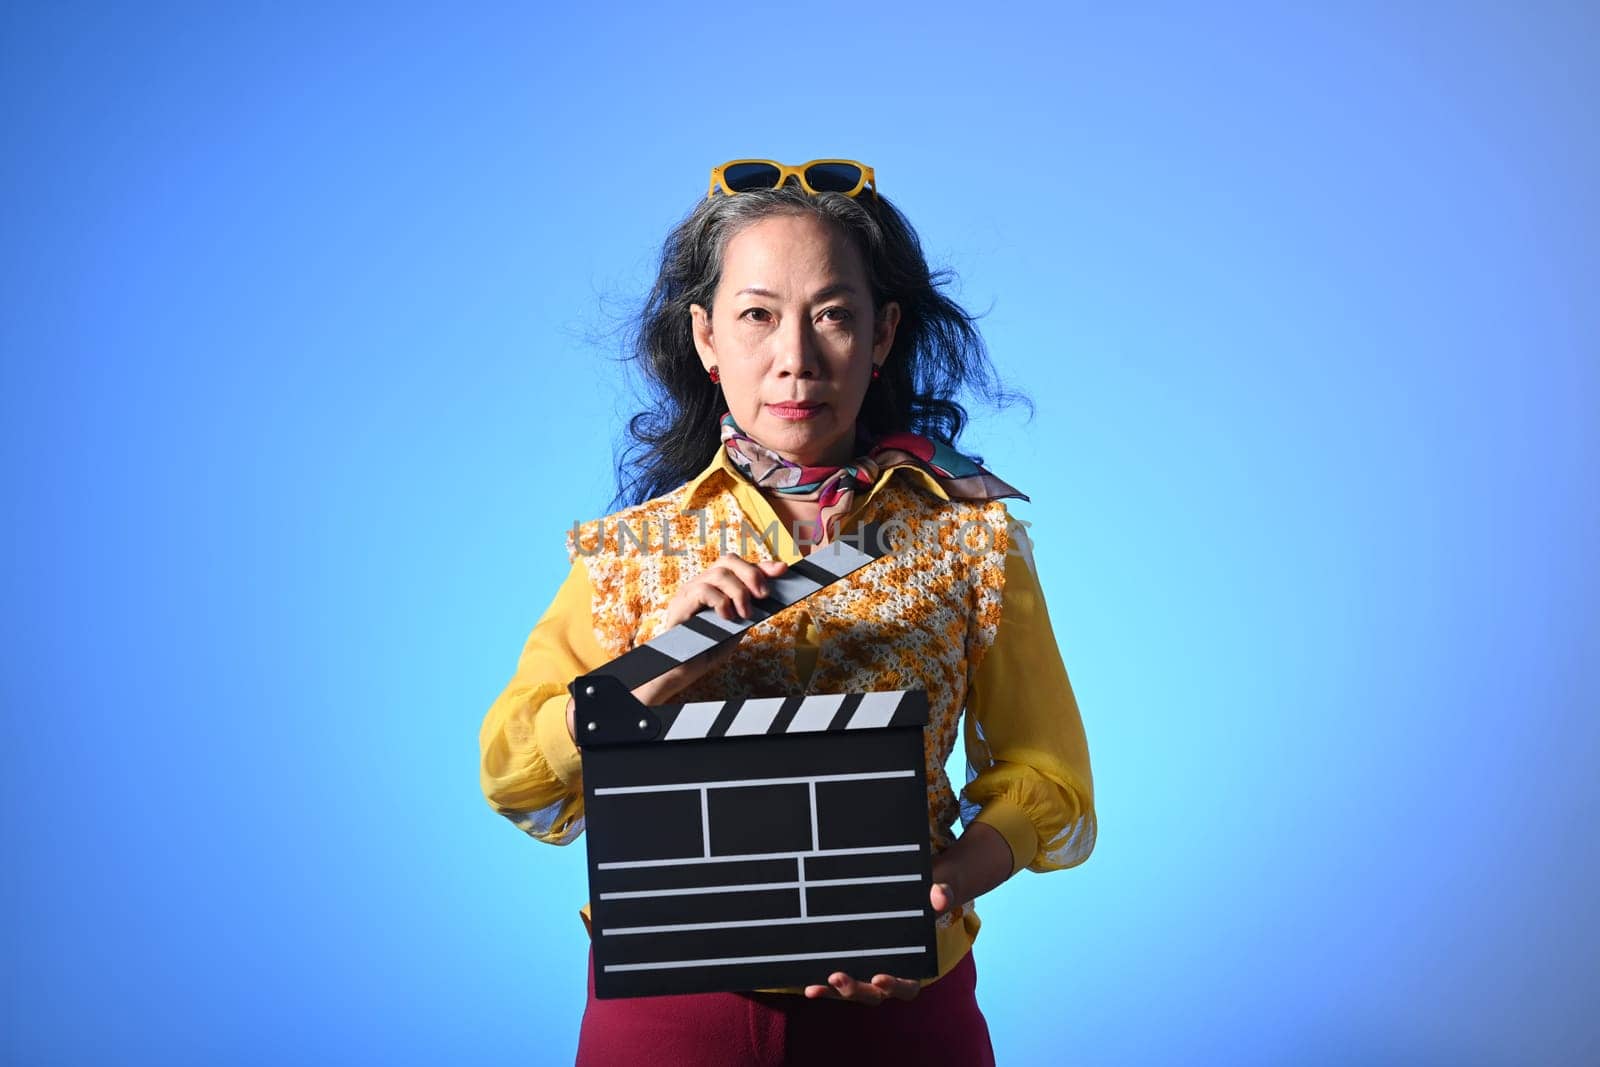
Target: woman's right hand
729 587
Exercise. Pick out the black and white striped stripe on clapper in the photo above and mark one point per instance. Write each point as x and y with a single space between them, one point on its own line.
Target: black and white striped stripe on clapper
759 842
706 630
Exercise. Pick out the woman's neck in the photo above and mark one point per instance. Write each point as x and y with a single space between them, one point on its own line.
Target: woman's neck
799 518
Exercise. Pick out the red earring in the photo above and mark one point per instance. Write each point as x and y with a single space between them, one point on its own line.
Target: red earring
876 370
716 379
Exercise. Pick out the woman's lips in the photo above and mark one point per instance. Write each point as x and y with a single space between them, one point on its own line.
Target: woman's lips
794 410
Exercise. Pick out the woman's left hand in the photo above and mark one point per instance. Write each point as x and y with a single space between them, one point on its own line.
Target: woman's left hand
978 861
882 987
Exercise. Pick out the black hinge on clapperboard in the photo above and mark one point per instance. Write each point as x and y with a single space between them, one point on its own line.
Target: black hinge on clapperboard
754 843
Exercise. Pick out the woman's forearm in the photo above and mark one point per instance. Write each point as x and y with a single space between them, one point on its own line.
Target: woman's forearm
979 861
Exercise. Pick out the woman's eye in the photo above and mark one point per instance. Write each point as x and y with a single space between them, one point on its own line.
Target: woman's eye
755 314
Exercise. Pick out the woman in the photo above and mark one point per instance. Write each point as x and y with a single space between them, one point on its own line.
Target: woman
807 367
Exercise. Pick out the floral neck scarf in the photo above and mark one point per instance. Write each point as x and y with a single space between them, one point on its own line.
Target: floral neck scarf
834 488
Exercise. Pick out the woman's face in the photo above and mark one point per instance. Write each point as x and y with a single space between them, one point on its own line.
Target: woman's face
793 336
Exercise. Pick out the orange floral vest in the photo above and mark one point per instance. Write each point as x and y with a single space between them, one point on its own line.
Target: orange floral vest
920 618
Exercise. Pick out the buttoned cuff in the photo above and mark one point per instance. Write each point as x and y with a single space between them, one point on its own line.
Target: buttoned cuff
555 744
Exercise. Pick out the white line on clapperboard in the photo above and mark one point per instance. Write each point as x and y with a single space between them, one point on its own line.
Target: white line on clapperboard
734 960
638 894
738 783
627 864
673 928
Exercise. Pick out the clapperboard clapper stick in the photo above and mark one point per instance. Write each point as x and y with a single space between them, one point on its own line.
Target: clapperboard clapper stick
753 843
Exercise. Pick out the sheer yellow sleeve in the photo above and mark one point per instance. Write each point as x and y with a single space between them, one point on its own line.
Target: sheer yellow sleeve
530 771
1027 759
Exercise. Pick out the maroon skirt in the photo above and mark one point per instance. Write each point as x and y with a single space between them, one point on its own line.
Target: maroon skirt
942 1025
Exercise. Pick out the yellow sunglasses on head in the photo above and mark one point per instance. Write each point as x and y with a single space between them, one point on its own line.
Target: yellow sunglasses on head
819 176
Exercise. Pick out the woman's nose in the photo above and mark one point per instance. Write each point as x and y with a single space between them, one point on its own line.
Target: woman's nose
797 351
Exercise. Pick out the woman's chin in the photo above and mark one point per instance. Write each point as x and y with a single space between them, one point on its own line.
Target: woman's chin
802 443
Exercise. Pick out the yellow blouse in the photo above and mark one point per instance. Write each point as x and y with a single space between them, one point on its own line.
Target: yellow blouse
1028 762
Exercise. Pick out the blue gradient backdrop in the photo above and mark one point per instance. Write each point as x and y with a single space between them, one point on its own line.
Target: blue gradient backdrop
309 334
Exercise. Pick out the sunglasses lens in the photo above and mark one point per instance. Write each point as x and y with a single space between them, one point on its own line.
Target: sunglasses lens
742 177
833 177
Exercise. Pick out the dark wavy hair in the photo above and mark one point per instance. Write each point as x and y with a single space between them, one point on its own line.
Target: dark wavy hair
937 355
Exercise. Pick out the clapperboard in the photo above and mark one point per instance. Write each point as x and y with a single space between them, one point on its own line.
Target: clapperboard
755 843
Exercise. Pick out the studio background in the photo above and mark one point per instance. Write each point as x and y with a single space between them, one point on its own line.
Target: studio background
308 321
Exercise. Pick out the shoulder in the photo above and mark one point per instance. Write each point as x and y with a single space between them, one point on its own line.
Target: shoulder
980 527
